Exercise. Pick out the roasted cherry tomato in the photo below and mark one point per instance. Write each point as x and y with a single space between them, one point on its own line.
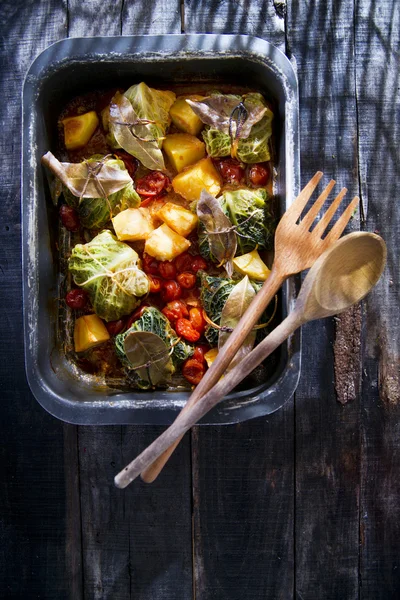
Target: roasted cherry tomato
77 298
146 202
167 270
183 262
259 174
150 265
155 284
186 280
199 352
175 310
231 170
136 315
69 217
185 329
115 327
130 162
152 184
193 370
197 320
198 264
171 290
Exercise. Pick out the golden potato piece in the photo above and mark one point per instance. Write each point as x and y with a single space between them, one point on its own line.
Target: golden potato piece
183 117
180 219
78 130
210 356
201 176
165 244
89 331
133 224
251 264
183 149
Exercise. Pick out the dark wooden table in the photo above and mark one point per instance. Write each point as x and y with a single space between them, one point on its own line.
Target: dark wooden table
303 504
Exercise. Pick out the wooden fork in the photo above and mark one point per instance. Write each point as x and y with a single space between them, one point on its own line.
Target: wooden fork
296 249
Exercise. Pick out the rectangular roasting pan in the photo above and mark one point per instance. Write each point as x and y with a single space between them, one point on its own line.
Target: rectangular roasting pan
69 68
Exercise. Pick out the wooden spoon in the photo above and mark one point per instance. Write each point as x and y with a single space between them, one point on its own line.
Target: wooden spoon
342 276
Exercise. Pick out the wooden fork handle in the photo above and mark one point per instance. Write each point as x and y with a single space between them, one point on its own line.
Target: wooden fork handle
186 419
224 358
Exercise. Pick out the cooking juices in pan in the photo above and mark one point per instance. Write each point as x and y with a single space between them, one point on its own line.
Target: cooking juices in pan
166 226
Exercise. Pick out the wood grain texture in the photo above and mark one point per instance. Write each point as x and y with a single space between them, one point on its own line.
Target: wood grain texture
136 543
243 509
94 17
261 18
377 78
163 16
320 36
39 530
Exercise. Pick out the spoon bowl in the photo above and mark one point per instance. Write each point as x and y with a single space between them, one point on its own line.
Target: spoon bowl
342 276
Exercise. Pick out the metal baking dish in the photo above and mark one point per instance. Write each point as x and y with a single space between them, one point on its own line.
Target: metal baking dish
69 68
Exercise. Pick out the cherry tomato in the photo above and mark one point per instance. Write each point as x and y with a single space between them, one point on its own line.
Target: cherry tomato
171 290
185 329
259 174
130 162
69 217
197 320
186 280
150 265
183 262
115 327
175 310
193 370
167 270
155 284
136 315
77 298
152 184
199 352
198 264
146 202
231 170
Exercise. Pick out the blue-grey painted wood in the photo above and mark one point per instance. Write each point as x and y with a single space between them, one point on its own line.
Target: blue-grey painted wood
39 499
378 100
321 38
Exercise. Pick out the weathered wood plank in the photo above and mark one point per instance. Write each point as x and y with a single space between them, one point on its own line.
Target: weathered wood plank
378 98
94 17
39 525
163 16
320 36
243 475
243 509
137 542
262 18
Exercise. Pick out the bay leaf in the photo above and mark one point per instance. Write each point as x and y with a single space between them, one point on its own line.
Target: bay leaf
235 306
220 111
220 232
132 135
149 356
75 176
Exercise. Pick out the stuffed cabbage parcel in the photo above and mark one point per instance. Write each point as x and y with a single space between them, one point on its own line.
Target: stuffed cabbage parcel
153 321
95 213
109 271
251 149
249 212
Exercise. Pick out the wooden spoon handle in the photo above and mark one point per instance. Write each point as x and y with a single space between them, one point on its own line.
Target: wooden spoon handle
224 358
189 417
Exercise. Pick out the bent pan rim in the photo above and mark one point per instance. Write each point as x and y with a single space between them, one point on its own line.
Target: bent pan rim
156 407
